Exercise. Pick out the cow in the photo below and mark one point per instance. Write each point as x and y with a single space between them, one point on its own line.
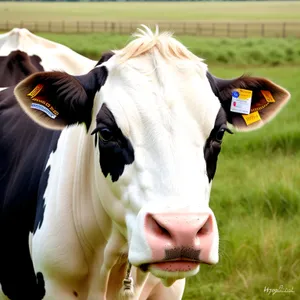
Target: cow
23 53
110 172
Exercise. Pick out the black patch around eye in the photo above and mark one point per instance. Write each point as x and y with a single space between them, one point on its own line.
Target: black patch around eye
211 152
115 153
212 146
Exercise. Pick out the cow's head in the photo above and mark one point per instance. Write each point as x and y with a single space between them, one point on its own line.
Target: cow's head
158 118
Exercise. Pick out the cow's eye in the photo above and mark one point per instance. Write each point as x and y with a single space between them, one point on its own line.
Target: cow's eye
105 134
220 133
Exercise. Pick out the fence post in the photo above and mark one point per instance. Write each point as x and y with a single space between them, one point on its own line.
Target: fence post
49 26
92 26
284 30
228 29
113 26
213 29
77 26
63 26
7 27
36 26
131 27
262 30
199 29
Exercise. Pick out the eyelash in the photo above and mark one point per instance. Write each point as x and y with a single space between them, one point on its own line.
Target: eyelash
105 134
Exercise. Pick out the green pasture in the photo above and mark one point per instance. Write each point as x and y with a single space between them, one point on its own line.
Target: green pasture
229 51
136 11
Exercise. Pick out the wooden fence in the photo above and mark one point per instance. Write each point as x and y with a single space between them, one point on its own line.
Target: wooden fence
207 29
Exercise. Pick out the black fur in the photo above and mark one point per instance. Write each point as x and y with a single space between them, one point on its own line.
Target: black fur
212 146
118 151
24 151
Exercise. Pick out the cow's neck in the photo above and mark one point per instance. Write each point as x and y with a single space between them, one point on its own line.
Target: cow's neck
92 206
98 217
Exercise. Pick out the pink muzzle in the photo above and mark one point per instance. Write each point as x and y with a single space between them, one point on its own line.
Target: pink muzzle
180 241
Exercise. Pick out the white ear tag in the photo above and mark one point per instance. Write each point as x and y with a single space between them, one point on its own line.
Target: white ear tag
241 101
44 109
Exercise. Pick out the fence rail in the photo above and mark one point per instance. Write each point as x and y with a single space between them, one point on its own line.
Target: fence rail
208 29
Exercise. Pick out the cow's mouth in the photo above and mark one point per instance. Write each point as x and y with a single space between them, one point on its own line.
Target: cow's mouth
175 268
175 265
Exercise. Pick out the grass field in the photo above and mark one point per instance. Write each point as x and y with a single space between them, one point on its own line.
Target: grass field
193 11
255 51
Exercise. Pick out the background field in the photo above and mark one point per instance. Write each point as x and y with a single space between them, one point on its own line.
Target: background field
240 52
256 192
193 11
217 19
233 11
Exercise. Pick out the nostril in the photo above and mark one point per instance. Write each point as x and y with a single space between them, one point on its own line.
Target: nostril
159 229
162 230
156 228
206 228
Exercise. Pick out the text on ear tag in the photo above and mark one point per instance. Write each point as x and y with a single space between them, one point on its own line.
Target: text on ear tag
251 118
268 96
40 103
35 91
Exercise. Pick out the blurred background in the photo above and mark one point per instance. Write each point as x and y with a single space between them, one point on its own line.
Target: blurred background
256 191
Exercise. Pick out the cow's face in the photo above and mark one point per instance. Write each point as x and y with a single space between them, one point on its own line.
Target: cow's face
159 129
158 118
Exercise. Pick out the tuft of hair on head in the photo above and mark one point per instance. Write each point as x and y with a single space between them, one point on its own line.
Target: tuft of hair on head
147 40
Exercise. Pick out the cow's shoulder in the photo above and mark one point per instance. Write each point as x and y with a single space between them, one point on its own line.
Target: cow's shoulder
24 151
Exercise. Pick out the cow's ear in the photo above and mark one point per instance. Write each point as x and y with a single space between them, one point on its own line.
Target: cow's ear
267 99
56 99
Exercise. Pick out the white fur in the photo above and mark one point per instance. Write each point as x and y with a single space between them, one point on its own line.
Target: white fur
167 109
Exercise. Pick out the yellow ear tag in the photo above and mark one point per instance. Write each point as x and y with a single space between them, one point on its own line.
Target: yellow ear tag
35 91
251 118
268 96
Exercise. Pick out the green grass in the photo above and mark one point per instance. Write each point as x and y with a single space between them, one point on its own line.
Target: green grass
221 11
242 52
256 200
